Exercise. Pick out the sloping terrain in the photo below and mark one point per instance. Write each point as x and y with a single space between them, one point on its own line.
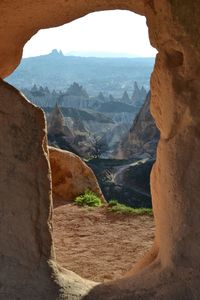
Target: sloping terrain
124 180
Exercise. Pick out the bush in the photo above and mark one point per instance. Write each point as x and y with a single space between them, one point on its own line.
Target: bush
112 203
115 206
88 199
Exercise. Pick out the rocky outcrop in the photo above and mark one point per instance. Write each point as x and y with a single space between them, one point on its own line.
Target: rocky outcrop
59 134
71 177
125 98
40 96
143 136
75 97
72 129
24 203
56 121
112 138
138 96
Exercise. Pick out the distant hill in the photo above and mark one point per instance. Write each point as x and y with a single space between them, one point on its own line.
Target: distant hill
56 71
100 54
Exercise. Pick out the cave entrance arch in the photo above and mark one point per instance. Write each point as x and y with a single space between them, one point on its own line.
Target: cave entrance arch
172 268
124 249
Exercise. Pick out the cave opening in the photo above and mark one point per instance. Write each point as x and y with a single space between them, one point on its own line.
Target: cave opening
103 139
29 269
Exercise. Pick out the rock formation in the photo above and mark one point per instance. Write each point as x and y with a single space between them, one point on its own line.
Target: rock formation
76 97
138 96
143 136
41 96
59 134
171 269
112 138
56 122
125 98
75 128
71 177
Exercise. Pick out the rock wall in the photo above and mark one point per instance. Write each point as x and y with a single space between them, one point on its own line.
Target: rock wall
25 205
143 136
171 269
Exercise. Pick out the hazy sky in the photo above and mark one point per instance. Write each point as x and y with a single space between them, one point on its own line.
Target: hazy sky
108 31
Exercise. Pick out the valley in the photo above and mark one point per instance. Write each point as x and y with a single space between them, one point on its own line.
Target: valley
108 124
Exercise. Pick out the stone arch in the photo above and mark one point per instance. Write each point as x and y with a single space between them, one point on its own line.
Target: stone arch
171 269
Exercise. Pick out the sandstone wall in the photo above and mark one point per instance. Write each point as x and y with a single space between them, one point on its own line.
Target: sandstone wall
25 223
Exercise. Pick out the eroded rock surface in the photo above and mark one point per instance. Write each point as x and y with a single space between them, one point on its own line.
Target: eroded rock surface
25 228
143 136
71 177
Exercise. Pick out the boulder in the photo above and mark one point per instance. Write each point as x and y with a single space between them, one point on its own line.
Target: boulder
71 177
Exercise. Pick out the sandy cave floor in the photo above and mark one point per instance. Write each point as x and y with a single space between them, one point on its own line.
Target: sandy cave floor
97 244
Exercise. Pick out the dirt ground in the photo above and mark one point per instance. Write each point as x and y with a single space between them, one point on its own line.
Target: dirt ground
97 244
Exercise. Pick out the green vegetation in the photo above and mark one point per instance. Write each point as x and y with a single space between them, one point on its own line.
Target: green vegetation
115 206
88 199
113 203
92 200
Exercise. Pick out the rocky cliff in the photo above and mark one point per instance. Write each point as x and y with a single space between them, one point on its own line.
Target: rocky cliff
143 136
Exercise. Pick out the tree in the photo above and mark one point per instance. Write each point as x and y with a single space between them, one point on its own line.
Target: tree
98 147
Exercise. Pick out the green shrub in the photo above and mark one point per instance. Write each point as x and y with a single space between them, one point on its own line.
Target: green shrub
112 203
88 199
115 206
